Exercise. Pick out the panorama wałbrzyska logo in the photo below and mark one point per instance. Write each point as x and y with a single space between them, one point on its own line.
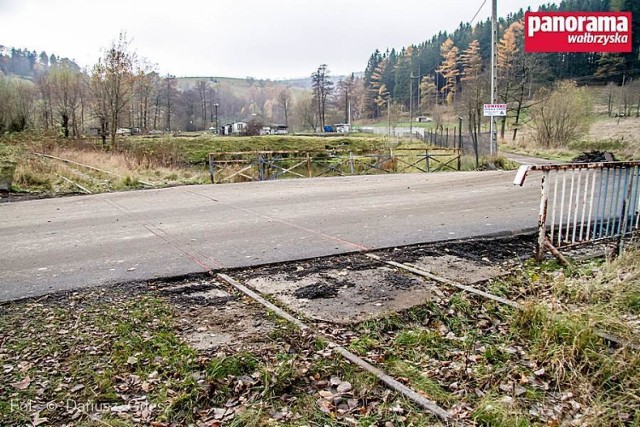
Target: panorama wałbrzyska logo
577 32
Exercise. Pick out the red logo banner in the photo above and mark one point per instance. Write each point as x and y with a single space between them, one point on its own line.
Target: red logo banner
577 32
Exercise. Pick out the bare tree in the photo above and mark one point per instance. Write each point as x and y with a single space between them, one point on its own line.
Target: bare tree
146 86
99 98
322 87
306 113
202 87
118 66
213 105
284 99
66 88
169 94
345 92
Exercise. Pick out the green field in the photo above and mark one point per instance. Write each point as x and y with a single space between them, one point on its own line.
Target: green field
195 148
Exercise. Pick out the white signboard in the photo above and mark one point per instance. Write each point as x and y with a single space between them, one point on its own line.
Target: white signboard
495 110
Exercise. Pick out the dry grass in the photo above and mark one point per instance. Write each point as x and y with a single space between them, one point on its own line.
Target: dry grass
605 133
123 169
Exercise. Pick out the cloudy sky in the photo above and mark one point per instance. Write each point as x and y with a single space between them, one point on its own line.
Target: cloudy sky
236 38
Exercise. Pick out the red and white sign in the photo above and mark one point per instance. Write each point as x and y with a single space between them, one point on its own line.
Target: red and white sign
495 110
577 31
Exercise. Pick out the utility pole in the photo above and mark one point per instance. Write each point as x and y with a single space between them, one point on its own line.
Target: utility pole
216 107
410 108
389 115
419 90
624 76
493 142
437 91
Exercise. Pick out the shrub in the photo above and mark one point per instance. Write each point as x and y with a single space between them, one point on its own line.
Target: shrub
561 115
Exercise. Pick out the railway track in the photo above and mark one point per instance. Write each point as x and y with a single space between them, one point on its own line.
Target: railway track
341 336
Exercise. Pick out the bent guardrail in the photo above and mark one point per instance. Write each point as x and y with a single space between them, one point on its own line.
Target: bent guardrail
585 202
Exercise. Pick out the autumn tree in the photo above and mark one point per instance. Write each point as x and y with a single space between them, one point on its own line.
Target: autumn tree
507 67
428 92
449 69
383 97
473 90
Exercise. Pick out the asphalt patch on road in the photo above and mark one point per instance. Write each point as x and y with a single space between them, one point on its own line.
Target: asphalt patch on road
487 251
353 287
345 295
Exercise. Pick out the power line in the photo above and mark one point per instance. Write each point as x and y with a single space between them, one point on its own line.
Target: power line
479 9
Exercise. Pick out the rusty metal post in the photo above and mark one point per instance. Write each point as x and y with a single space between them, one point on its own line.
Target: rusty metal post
261 168
352 168
624 214
212 169
542 217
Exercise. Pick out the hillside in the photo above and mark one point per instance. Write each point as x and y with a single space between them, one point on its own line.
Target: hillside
29 64
388 72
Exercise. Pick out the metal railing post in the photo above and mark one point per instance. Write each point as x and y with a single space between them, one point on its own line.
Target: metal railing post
212 169
542 217
352 166
624 218
601 200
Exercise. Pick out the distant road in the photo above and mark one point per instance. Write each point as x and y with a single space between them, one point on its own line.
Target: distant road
528 160
74 242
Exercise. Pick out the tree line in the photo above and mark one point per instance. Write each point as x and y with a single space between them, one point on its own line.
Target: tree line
123 90
433 72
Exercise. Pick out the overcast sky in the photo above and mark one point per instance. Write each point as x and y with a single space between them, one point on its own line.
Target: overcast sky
237 38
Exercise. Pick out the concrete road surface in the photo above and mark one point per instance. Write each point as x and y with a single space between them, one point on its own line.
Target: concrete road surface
74 242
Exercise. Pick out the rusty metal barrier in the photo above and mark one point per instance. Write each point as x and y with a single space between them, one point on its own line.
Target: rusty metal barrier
585 202
270 165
